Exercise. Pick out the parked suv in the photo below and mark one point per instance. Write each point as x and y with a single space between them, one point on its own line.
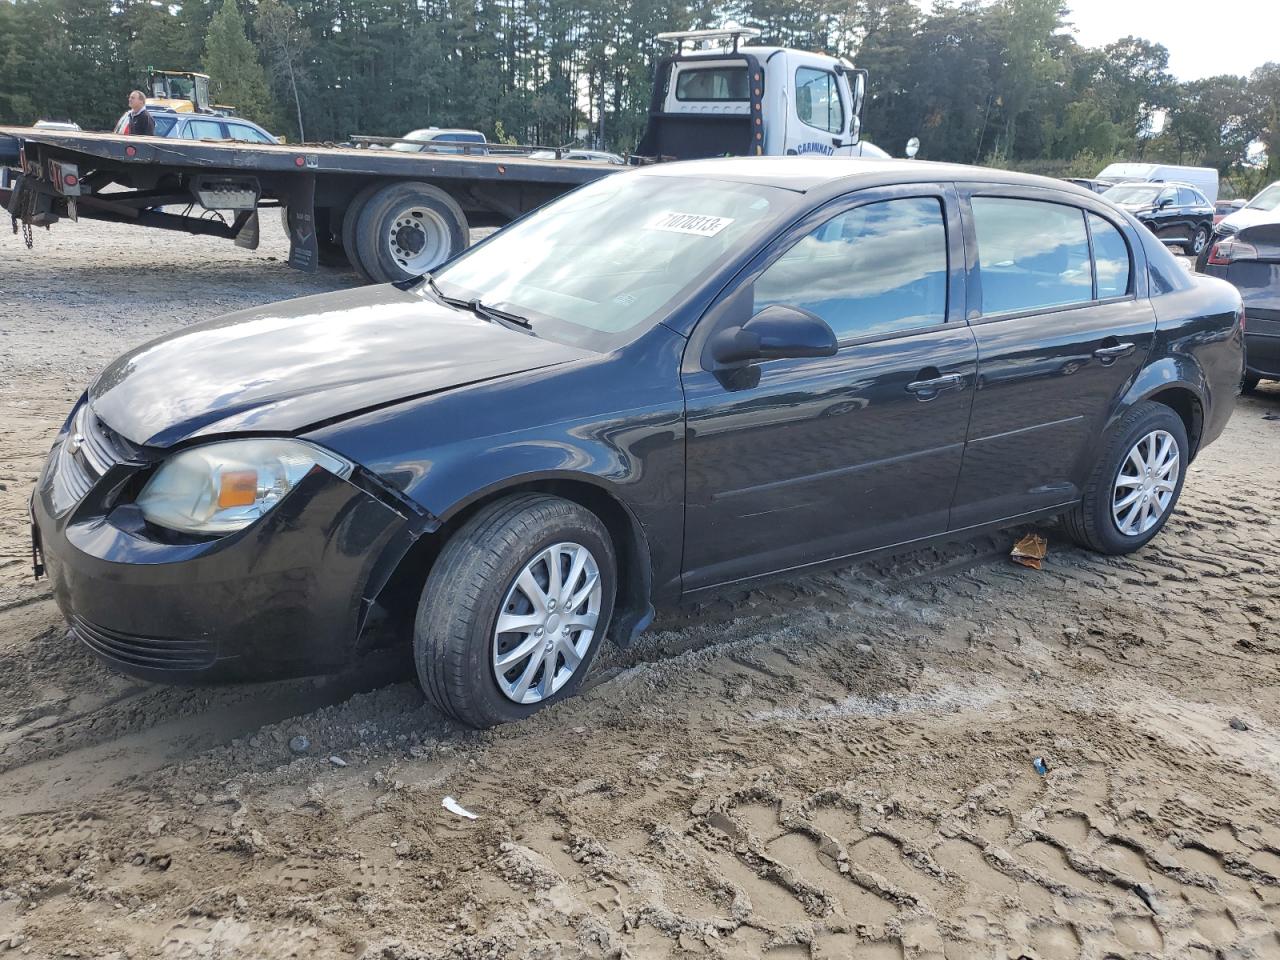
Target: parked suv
200 126
1174 212
672 379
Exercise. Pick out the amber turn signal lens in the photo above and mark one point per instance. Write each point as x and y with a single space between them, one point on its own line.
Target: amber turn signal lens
237 488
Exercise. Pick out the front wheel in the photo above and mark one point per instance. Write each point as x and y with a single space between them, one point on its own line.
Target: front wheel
514 609
1135 485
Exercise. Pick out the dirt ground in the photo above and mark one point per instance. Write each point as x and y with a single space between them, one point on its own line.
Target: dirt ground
834 766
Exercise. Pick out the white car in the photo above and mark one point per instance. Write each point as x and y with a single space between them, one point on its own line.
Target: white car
1261 208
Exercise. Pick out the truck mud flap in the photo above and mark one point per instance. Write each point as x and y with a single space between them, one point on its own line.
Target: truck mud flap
246 229
304 250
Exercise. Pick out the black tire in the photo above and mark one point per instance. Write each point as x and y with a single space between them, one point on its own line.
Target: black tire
1090 523
1249 382
380 213
350 219
1199 243
328 248
1202 260
454 629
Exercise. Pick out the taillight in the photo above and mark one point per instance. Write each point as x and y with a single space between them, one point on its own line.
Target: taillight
1230 250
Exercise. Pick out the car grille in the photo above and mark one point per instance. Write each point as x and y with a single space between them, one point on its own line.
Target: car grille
88 451
154 653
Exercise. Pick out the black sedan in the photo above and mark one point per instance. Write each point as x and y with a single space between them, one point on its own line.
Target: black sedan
669 380
1250 260
1176 212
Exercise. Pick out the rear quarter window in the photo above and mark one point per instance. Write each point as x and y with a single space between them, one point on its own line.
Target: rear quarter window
1111 259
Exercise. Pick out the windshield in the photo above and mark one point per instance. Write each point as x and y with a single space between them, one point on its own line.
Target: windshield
1134 192
605 261
419 135
1268 199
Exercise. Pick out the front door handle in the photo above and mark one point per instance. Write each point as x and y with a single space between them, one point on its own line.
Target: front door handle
1113 352
927 388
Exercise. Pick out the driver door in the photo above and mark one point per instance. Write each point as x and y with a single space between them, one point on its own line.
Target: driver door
797 461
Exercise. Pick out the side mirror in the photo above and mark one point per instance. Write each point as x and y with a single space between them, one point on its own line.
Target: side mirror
1238 204
1163 202
775 333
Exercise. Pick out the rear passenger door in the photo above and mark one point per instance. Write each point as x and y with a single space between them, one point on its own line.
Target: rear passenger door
1060 312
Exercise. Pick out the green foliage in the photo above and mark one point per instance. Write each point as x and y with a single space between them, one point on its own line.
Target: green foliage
999 81
236 75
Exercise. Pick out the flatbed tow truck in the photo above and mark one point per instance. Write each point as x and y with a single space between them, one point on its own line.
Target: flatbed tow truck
394 214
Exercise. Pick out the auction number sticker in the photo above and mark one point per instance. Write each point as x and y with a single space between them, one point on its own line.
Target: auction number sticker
696 224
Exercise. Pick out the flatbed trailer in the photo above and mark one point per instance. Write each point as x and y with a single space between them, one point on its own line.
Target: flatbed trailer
391 214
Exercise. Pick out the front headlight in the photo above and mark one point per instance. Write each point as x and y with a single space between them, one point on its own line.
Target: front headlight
224 487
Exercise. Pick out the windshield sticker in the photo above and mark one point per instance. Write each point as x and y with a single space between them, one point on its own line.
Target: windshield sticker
695 224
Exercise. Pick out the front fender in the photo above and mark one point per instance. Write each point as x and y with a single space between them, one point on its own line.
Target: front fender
613 424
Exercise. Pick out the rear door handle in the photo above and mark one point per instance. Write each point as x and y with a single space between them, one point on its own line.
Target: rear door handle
933 385
1114 352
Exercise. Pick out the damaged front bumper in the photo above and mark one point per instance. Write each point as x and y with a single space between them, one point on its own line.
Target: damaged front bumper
286 596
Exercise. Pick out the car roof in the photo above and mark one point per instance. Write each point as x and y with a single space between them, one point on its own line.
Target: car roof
805 174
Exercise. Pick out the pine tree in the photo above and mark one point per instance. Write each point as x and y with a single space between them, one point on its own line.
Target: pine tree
236 76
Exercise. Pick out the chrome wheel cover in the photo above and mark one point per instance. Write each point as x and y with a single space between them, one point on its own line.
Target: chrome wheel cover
1200 240
418 239
546 623
1145 483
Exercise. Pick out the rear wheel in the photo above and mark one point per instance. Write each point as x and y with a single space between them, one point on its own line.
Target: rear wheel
1249 382
514 609
1135 485
1199 242
408 229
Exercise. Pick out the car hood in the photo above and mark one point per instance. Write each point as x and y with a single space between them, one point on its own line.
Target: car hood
288 366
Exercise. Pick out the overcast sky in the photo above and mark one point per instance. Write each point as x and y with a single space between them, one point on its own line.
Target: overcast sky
1201 44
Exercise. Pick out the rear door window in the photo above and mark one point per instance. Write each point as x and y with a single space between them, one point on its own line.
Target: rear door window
204 130
1032 254
873 270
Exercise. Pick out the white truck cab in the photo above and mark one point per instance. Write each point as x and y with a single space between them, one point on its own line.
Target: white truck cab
718 97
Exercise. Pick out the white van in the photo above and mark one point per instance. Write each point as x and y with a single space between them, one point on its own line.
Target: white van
1204 179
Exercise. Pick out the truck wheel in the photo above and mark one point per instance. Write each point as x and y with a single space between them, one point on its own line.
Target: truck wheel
1135 485
407 229
350 219
328 248
514 609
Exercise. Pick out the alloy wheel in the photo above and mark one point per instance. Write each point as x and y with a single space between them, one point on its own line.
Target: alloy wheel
1145 484
547 622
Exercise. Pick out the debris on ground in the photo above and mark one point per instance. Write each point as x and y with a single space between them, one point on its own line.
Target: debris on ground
1237 724
1030 551
299 744
453 806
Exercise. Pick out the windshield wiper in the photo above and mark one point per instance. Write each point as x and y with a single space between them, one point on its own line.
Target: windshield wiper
481 310
444 297
502 316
